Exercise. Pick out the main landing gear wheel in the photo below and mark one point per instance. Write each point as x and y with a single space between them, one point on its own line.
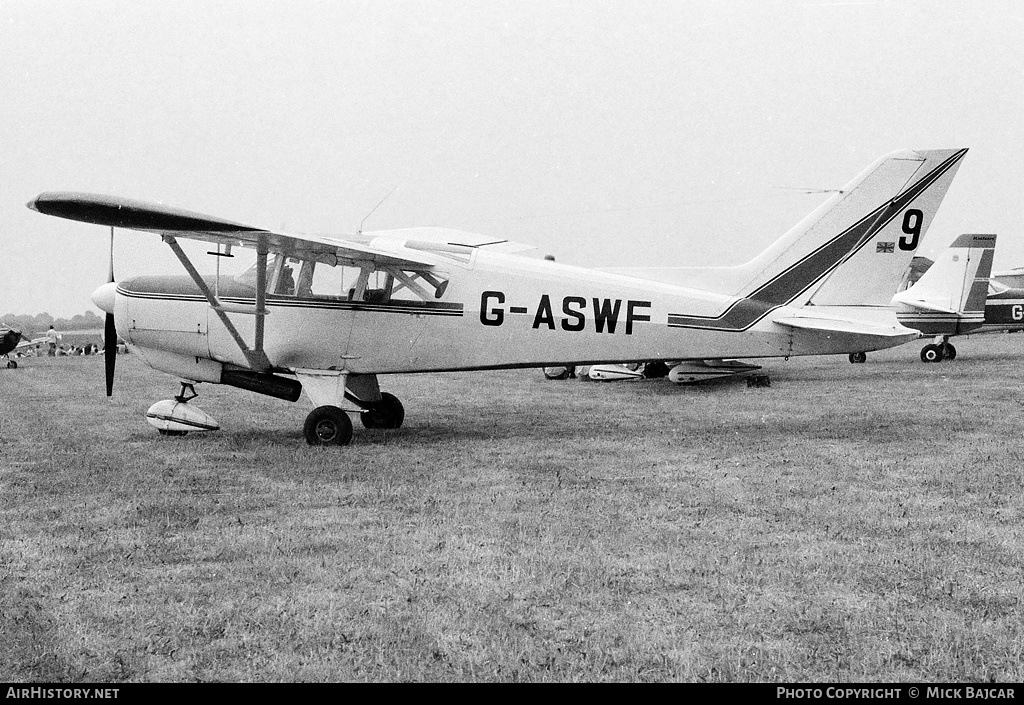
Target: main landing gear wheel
931 353
12 365
327 426
655 370
948 351
388 413
858 357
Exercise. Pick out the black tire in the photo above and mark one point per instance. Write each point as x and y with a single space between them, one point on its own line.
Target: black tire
931 353
655 370
327 426
12 365
388 413
858 357
948 351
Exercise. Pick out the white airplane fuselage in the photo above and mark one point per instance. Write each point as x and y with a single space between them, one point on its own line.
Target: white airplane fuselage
504 311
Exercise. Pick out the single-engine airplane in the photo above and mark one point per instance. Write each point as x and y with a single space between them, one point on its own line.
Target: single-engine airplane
12 340
329 315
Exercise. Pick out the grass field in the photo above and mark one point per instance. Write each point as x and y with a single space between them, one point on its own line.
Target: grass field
848 523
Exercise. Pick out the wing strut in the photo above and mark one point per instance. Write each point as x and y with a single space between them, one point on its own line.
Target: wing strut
257 357
261 290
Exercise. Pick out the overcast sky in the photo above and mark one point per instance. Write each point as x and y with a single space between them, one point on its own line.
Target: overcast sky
604 133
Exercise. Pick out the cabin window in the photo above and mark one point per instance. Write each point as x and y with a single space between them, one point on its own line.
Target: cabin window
291 276
410 285
281 273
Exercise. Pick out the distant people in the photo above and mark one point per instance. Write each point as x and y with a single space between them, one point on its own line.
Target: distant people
52 338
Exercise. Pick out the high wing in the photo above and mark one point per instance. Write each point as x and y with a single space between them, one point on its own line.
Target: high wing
173 223
418 249
179 223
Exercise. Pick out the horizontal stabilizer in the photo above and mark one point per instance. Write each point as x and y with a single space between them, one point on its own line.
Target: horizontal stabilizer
929 305
925 305
846 327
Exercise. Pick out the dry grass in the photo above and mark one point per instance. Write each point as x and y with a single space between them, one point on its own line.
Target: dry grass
849 523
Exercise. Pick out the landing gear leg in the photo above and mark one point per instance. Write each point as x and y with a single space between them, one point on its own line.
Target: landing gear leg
339 397
188 392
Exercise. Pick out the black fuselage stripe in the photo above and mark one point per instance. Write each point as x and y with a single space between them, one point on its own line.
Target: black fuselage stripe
427 309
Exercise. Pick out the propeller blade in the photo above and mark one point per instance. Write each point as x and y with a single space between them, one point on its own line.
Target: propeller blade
110 351
110 332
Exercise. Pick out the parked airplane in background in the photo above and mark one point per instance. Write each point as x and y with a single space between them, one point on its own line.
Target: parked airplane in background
1010 278
12 340
949 298
328 315
1003 311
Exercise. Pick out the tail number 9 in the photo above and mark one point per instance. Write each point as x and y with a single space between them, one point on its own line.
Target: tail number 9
912 221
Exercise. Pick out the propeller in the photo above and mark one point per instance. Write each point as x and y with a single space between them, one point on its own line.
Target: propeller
109 331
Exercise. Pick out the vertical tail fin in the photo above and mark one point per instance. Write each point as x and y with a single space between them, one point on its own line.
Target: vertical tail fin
870 272
950 297
851 251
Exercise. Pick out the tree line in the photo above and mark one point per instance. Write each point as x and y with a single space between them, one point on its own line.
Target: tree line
38 323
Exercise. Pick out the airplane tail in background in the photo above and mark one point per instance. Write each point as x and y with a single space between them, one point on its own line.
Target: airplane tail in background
951 295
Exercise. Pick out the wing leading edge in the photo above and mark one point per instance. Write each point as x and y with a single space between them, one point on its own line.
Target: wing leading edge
157 218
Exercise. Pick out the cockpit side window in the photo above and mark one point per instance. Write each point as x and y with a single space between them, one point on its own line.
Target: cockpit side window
351 281
411 285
